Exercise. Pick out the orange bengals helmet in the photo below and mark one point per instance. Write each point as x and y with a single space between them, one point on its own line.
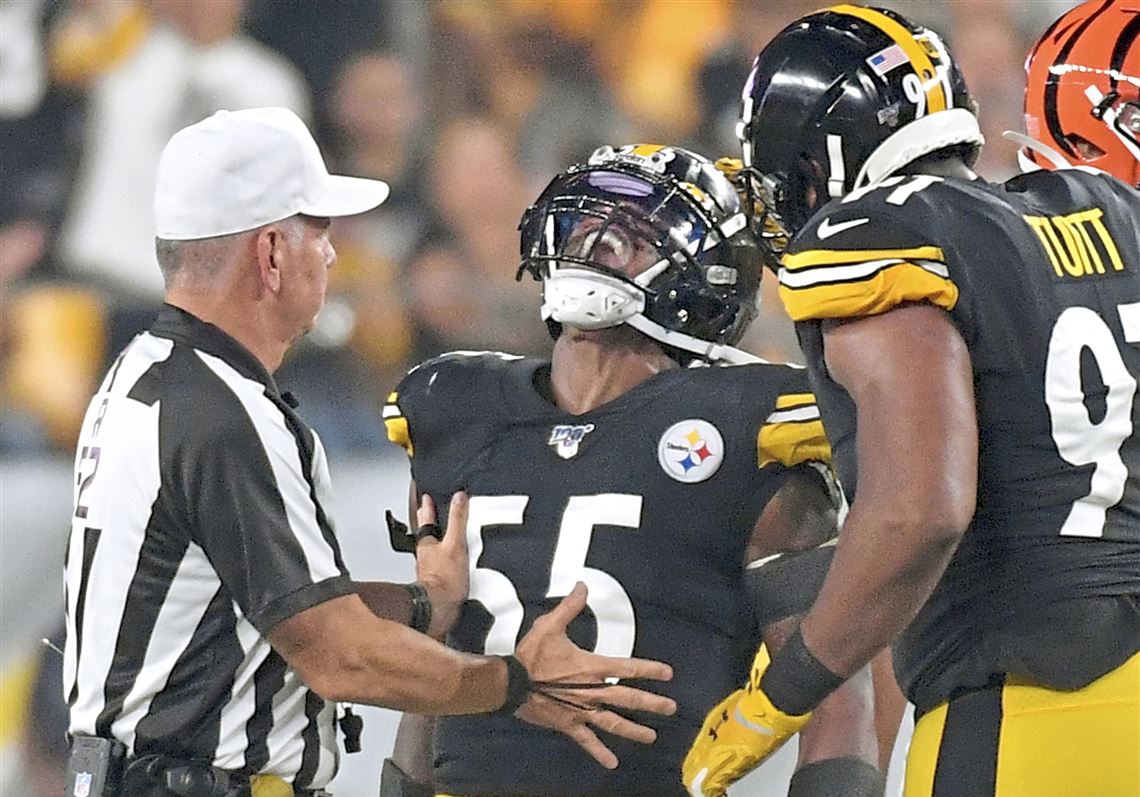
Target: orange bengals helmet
1082 96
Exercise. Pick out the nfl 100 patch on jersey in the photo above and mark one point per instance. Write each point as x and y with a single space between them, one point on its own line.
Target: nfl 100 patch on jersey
565 438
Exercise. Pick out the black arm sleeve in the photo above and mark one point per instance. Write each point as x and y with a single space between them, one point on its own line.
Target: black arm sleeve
837 777
786 584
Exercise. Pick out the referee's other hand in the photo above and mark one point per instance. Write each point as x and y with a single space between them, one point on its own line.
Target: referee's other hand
575 691
441 565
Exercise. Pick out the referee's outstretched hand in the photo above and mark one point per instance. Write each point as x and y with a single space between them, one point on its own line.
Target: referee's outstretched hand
570 690
441 564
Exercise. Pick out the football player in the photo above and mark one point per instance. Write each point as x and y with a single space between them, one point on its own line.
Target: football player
974 351
622 463
1082 93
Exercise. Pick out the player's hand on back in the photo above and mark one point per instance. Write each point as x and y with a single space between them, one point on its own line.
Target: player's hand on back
441 564
571 693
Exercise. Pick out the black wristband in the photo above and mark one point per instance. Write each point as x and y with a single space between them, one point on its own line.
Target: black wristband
518 686
796 681
837 777
421 606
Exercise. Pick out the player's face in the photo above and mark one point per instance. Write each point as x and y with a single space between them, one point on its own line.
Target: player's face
616 244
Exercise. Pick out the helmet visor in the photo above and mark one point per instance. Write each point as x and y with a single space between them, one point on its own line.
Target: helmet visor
615 221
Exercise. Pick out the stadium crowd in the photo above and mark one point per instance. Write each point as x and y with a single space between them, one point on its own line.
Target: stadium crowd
466 107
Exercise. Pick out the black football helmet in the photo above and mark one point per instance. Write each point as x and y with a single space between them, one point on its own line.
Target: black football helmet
699 293
843 98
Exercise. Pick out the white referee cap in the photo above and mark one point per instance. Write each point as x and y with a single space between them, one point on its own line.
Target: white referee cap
239 170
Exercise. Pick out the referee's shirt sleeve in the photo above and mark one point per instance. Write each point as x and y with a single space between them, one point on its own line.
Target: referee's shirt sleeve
254 486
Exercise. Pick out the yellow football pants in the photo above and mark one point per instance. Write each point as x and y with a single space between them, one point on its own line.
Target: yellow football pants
1021 740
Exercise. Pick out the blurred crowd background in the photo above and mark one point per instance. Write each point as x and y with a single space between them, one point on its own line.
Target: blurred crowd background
466 107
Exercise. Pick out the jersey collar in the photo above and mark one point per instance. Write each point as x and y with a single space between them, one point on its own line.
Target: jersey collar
181 326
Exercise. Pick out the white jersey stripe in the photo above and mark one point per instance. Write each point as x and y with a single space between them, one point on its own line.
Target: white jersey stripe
851 273
121 518
195 583
281 449
232 742
794 414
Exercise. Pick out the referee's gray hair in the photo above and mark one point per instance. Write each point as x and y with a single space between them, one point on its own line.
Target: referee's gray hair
205 256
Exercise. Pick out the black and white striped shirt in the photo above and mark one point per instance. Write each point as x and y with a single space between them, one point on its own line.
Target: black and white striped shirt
198 526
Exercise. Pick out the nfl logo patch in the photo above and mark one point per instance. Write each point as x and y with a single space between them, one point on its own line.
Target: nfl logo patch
82 784
565 438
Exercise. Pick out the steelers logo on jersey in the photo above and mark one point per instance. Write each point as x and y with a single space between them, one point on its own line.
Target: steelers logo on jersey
691 451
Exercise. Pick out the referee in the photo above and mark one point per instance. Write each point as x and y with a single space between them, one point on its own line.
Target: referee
211 623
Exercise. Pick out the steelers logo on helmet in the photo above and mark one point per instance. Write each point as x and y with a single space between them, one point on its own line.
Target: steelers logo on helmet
691 451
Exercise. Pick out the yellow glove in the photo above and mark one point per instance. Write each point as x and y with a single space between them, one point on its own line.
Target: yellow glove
737 735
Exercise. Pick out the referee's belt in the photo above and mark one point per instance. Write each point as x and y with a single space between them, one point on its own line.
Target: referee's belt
163 776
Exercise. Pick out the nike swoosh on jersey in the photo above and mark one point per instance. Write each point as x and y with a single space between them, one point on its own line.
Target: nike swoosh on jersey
826 229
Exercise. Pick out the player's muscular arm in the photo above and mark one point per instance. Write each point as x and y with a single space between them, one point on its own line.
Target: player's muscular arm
412 749
801 516
784 558
908 372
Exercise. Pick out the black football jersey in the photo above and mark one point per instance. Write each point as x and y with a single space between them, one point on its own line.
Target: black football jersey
1041 275
649 500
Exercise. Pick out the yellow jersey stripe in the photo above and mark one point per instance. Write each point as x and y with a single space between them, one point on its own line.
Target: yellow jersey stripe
832 257
936 99
887 289
398 433
794 399
792 443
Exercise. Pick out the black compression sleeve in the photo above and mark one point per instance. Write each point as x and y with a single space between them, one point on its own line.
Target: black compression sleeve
837 777
787 585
